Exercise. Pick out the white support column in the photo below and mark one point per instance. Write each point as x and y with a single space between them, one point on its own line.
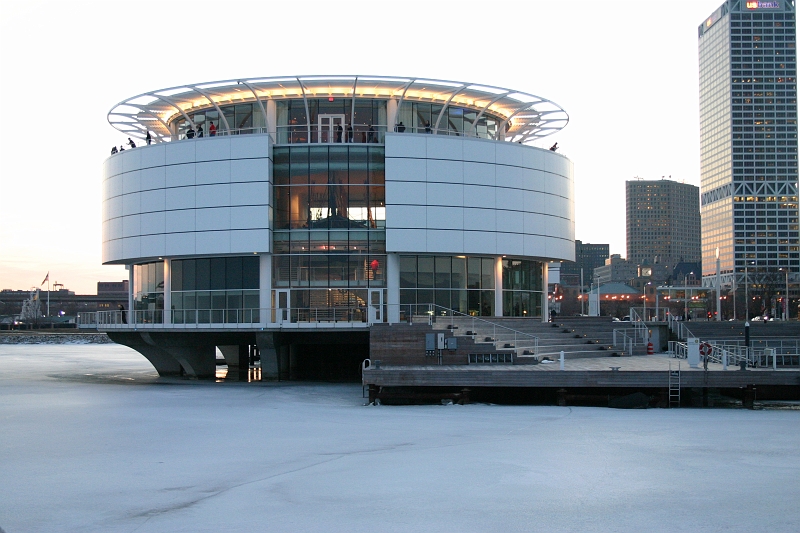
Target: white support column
167 291
545 306
130 293
391 114
393 288
272 122
265 287
498 286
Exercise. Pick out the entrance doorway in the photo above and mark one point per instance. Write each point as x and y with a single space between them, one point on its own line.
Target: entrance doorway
375 305
329 129
280 306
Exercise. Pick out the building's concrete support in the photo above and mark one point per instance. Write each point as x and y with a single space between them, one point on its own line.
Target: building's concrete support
269 356
545 299
164 363
167 291
498 286
197 361
235 355
393 288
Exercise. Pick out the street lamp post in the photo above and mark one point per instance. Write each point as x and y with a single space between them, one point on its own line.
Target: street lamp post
719 286
746 297
686 295
786 296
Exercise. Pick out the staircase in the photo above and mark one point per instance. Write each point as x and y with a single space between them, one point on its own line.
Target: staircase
577 337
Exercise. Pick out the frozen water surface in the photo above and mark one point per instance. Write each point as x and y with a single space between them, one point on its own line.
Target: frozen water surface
91 440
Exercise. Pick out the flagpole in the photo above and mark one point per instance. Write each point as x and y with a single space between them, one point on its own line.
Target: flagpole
48 293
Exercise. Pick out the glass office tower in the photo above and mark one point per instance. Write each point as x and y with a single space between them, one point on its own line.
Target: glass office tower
748 138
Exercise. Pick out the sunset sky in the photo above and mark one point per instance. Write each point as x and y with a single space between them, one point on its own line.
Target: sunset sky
625 71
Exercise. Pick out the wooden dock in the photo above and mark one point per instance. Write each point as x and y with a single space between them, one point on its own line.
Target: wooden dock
631 373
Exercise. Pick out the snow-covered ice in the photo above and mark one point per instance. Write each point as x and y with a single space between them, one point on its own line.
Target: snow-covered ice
91 440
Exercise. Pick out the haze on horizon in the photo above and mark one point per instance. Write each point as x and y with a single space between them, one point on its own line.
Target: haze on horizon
626 72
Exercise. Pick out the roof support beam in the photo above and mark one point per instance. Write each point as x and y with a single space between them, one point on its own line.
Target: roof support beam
260 103
477 119
353 104
308 115
173 104
504 124
400 102
212 102
447 103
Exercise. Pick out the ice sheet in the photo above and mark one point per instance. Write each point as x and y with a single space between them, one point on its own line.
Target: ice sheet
91 440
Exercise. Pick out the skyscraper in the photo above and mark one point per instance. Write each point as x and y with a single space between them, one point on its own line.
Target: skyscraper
663 222
748 138
587 257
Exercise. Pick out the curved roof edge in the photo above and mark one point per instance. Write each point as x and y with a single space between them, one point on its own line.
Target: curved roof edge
526 117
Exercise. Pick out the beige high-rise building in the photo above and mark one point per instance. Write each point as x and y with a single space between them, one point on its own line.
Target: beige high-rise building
663 222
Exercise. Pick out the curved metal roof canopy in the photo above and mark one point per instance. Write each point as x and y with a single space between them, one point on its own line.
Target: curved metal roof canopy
525 117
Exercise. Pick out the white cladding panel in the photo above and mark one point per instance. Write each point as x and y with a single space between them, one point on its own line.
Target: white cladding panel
479 197
201 196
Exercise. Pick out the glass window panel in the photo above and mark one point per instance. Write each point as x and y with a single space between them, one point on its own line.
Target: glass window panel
377 165
203 300
473 273
151 277
203 274
357 270
318 164
282 209
358 165
244 116
299 165
251 299
299 214
487 303
318 209
442 299
337 270
159 275
318 270
281 270
233 273
280 166
487 273
425 272
234 299
408 296
377 270
337 165
176 269
458 301
442 269
424 296
459 277
339 201
217 277
299 271
474 303
189 280
408 271
251 272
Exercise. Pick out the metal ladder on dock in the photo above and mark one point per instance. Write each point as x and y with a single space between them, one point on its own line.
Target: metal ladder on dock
675 386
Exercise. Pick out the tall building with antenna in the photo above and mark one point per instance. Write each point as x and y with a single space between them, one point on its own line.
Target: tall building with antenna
748 139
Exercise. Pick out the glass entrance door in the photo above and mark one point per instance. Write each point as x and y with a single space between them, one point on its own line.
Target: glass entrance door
375 305
280 306
330 129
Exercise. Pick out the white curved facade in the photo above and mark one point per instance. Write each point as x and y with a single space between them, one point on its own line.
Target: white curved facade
327 206
199 197
469 196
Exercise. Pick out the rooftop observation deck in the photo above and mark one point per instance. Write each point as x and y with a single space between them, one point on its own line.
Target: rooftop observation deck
452 108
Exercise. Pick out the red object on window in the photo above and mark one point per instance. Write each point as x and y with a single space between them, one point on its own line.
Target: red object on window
374 265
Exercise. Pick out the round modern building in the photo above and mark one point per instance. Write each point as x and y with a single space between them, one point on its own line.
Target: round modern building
297 211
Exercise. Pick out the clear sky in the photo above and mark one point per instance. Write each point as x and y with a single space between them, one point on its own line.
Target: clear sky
625 71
